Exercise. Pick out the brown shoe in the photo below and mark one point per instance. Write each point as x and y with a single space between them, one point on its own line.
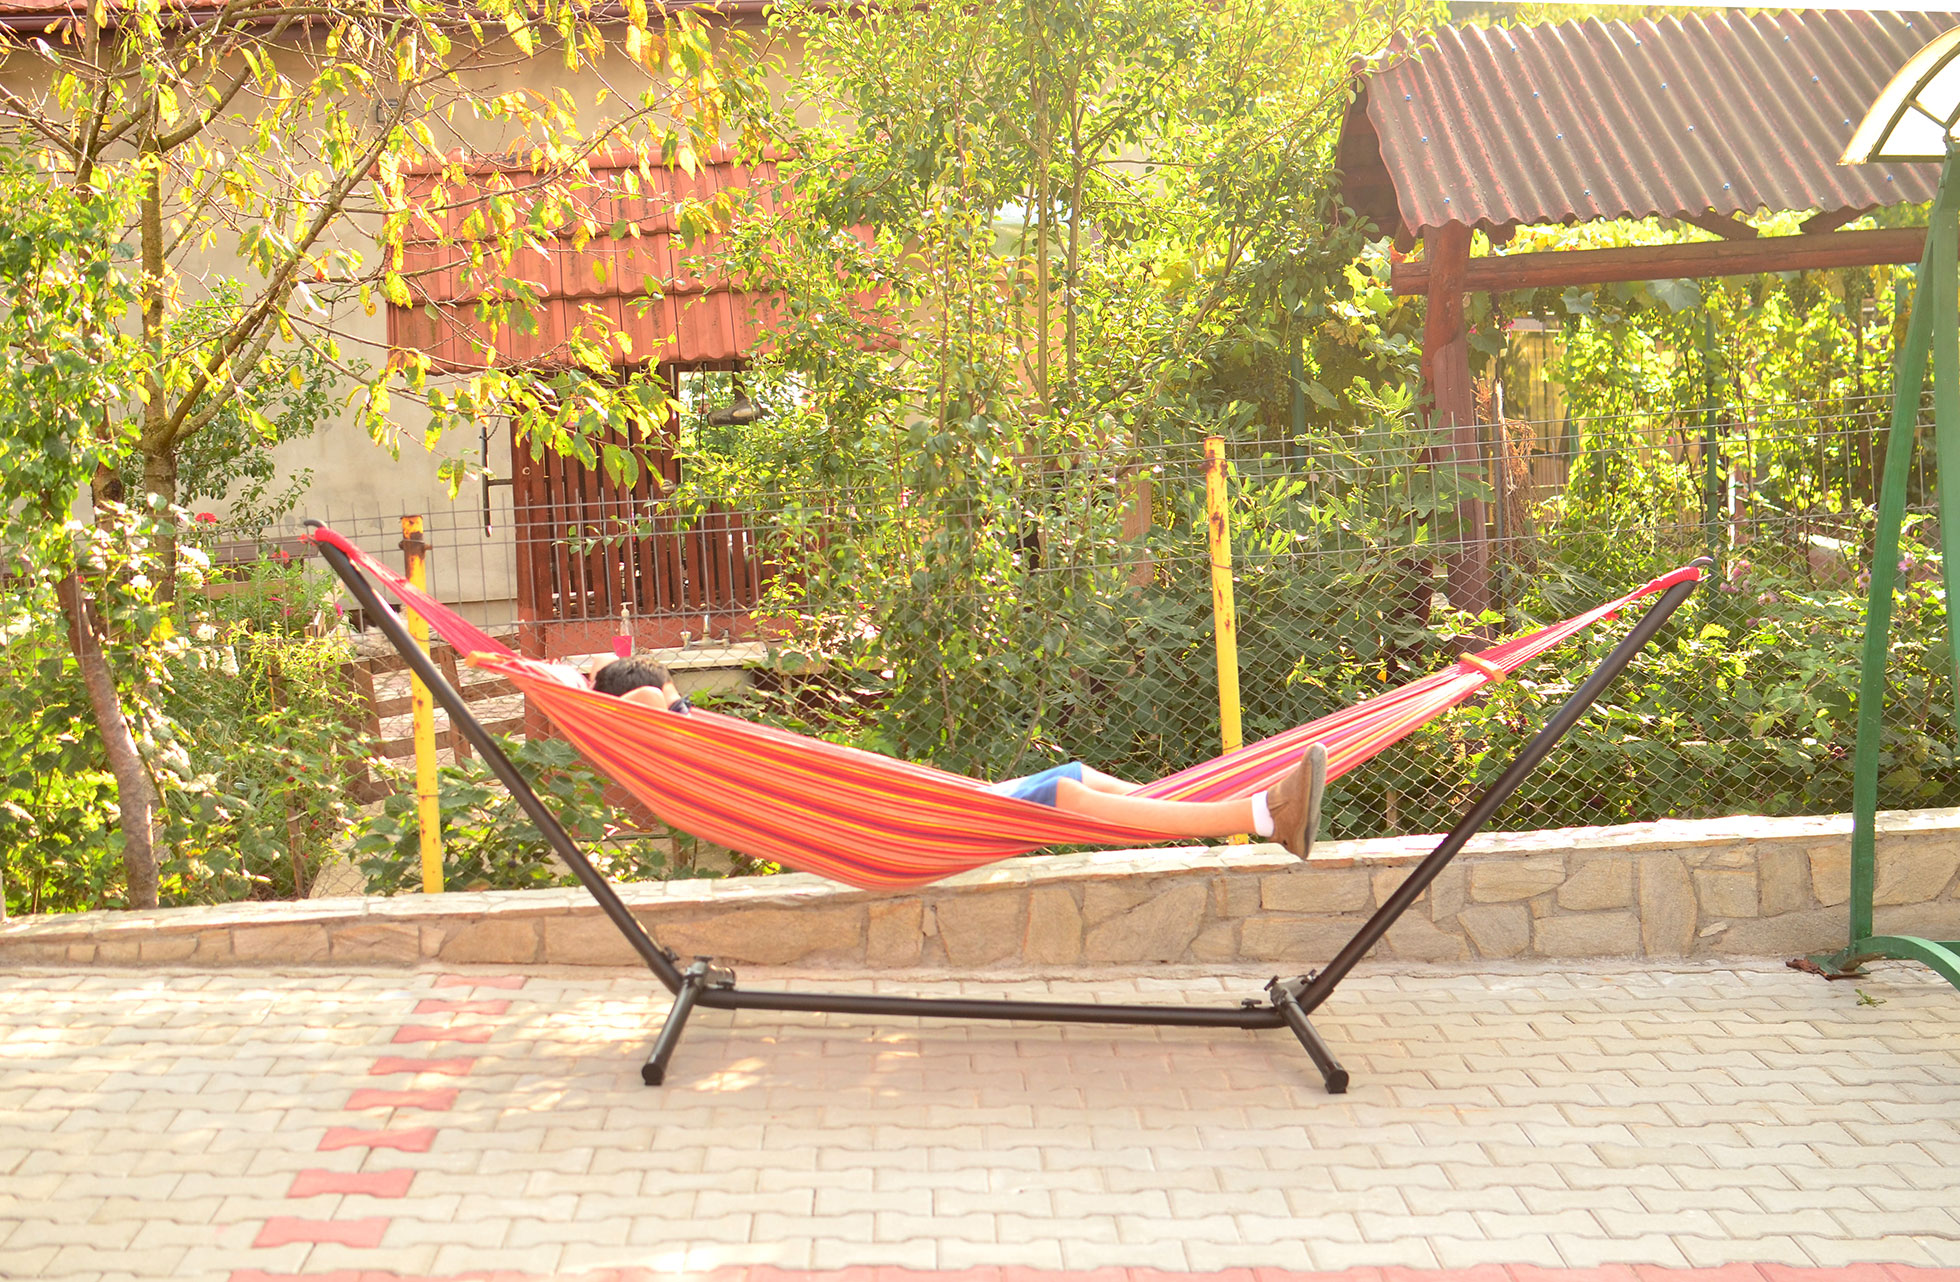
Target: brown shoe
1295 803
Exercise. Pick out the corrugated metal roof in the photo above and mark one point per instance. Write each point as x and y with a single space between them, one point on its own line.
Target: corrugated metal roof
599 288
1581 120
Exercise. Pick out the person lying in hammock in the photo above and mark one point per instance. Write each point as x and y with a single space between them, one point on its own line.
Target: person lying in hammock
1288 812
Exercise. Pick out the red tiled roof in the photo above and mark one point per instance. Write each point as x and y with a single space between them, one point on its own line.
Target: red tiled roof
599 288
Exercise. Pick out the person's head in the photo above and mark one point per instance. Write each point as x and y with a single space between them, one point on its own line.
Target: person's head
622 676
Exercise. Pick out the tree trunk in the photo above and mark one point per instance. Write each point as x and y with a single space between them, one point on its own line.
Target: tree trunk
159 450
136 796
160 479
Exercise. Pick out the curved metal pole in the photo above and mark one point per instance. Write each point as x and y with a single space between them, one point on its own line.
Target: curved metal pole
658 959
1317 989
1909 379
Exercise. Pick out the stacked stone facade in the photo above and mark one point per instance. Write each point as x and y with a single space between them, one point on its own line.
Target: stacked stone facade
1674 889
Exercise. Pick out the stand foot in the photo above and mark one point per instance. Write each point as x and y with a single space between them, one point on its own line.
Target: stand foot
654 1071
702 975
1331 1072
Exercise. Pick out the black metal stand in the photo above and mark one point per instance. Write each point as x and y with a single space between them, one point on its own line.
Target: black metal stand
1288 1002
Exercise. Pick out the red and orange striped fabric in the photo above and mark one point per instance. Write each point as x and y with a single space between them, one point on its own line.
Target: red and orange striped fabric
872 821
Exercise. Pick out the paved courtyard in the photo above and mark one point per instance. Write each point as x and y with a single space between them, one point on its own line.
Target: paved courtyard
383 1124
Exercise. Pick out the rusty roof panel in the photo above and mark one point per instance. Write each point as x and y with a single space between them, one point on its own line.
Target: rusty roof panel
1581 120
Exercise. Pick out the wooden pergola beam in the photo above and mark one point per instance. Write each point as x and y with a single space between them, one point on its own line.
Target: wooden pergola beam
1712 258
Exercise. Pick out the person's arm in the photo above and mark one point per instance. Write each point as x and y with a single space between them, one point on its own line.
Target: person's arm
663 697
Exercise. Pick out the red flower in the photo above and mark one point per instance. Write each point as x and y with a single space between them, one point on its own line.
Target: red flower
207 518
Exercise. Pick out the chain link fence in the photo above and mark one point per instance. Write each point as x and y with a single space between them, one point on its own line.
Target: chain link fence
1068 615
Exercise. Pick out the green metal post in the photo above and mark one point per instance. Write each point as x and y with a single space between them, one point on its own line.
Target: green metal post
1935 329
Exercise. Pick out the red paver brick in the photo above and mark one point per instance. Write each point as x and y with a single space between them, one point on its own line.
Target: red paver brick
472 1033
1602 1273
770 1273
892 1273
282 1229
1480 1273
436 1100
458 1067
1109 1273
1360 1273
479 981
366 1183
416 1140
441 1006
1842 1273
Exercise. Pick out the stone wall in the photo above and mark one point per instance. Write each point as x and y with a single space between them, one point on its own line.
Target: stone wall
1675 889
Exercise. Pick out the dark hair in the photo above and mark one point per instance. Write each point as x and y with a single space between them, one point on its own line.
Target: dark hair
622 675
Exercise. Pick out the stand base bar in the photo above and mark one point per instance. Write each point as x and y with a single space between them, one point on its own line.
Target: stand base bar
991 1008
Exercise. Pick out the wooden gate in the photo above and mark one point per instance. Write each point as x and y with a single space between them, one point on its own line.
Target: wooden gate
577 569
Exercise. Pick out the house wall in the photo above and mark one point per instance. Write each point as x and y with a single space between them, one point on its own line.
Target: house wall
363 487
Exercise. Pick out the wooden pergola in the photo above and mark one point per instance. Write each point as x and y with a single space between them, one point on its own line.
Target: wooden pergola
1699 120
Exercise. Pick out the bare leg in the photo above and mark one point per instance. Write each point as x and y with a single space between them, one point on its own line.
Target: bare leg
1172 818
1097 781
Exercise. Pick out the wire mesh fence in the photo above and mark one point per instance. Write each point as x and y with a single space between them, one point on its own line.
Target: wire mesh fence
1063 609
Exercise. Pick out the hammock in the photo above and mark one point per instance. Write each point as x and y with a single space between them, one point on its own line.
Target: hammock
875 822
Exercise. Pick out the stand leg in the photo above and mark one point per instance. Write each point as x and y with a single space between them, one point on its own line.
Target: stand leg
1296 1019
654 1071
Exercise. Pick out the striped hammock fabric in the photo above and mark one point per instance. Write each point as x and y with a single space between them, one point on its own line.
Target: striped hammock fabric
875 822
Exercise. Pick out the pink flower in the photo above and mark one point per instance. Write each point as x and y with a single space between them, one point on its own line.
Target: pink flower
207 518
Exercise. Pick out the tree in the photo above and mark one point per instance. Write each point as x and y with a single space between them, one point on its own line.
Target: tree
62 358
276 155
1031 252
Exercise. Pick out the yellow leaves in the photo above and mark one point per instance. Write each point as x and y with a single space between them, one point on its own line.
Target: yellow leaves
519 29
294 377
367 299
395 289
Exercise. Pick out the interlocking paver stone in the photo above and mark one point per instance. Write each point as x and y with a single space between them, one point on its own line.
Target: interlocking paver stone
163 1124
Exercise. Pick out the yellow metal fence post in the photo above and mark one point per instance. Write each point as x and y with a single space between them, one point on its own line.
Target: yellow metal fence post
422 705
1225 619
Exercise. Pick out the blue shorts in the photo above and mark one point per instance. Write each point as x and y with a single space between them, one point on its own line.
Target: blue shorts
1038 788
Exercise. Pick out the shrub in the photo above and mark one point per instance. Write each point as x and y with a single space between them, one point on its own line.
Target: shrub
489 843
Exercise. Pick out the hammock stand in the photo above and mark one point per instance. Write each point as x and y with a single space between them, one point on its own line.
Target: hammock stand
1287 1003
